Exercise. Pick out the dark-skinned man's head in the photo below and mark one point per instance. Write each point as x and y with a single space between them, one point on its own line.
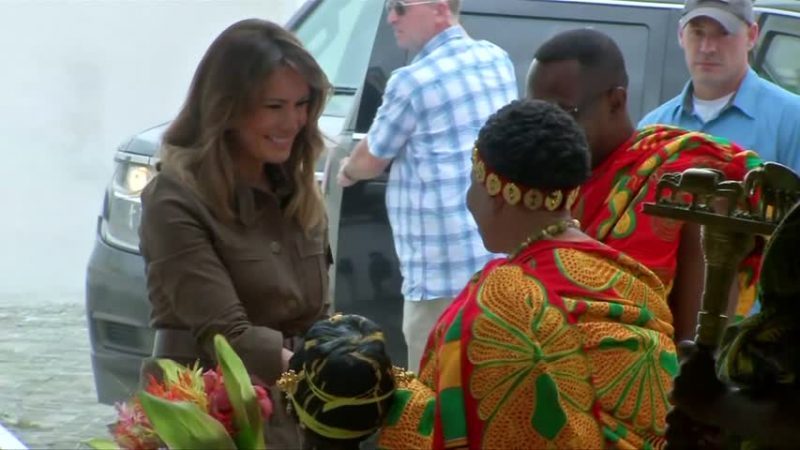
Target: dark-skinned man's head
583 71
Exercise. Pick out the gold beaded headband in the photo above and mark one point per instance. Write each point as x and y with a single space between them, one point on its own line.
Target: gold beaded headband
533 198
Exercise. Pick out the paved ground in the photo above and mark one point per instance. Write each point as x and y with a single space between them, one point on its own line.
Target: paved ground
47 393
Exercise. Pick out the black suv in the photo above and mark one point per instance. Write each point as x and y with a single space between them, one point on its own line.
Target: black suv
356 48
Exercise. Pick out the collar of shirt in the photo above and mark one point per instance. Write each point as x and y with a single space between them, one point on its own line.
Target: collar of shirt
744 100
448 34
252 204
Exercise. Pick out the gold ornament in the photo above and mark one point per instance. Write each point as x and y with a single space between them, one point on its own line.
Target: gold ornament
511 193
534 199
493 184
553 200
288 381
402 376
478 167
547 232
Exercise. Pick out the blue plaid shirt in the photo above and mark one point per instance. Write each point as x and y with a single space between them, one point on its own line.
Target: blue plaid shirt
430 117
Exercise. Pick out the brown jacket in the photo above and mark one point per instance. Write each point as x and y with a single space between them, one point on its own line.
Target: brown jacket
257 281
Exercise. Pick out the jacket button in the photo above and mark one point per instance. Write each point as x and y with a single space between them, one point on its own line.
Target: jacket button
275 246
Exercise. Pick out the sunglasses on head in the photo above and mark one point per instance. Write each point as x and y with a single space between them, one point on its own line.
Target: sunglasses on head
400 6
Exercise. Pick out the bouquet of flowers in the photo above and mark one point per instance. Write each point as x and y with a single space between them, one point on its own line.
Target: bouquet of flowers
190 408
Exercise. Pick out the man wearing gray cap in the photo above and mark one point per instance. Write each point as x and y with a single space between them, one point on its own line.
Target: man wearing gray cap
725 97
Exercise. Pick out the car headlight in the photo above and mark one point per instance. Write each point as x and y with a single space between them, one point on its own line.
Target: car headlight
122 210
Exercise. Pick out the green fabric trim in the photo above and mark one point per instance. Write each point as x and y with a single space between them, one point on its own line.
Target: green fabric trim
454 331
669 362
454 420
428 419
645 315
548 418
615 435
631 344
615 310
399 403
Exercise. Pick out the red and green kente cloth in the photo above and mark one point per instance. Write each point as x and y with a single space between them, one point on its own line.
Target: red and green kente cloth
566 345
611 204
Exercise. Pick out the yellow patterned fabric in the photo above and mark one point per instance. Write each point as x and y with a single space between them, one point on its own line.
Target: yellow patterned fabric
567 345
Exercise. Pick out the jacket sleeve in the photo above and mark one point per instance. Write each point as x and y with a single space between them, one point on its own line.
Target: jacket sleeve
185 271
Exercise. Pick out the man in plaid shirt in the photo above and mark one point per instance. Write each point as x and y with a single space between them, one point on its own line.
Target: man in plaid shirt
431 112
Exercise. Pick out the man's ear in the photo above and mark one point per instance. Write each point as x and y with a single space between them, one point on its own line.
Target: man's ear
443 11
752 36
618 99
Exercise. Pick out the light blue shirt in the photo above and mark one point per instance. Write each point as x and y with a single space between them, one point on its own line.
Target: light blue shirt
761 116
431 113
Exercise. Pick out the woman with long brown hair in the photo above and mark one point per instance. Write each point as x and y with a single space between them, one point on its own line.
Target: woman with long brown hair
234 231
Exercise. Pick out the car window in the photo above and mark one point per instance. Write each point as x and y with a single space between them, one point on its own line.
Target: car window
521 36
781 63
340 34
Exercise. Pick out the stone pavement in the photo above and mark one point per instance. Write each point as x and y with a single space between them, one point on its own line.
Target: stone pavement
47 396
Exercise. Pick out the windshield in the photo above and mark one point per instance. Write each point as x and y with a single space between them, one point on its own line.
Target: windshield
340 35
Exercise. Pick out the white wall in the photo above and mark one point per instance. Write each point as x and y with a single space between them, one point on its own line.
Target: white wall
76 79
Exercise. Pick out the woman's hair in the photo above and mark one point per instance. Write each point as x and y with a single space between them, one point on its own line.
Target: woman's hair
780 268
536 144
227 85
345 381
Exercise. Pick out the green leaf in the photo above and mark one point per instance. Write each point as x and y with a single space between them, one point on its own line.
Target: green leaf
184 425
102 444
246 412
171 370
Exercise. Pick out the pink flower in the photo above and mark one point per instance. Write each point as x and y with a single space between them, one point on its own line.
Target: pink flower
263 401
219 405
133 430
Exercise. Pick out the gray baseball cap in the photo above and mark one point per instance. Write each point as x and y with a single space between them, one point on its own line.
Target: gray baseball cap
731 14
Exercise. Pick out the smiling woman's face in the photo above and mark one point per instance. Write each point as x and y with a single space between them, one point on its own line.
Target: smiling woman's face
266 134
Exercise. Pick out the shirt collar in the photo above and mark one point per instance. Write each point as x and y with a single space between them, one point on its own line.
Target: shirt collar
453 32
744 99
251 204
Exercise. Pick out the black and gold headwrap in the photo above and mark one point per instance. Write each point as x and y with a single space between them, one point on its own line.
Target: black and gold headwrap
340 383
